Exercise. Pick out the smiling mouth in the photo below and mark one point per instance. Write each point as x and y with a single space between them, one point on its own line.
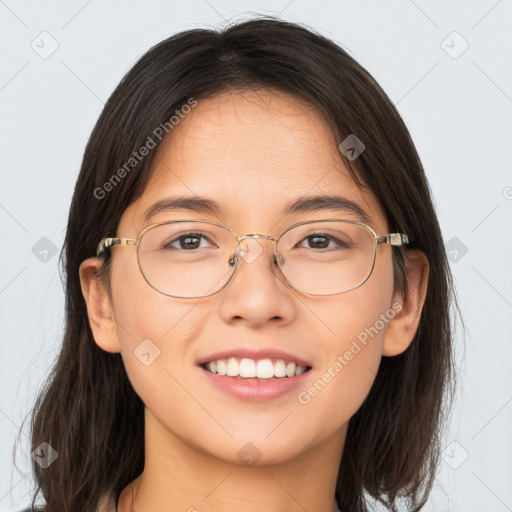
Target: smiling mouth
261 369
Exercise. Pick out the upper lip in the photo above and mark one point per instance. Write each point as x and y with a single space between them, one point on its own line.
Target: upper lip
254 353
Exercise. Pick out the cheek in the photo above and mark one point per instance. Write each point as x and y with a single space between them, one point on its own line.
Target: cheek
153 329
357 315
352 350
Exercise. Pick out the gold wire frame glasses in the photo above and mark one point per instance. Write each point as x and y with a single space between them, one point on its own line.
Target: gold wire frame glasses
191 271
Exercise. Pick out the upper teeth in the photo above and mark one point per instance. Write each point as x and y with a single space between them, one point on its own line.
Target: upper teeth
249 368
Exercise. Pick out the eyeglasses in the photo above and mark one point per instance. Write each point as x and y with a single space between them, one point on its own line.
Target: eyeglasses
193 258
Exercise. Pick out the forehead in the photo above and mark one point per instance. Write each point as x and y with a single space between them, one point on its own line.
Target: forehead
252 153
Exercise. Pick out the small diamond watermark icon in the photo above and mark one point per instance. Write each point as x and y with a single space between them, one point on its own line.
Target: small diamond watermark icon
351 147
454 45
44 455
44 250
44 45
251 250
146 352
455 455
249 454
455 249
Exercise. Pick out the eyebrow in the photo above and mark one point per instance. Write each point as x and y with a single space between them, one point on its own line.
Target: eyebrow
199 204
327 202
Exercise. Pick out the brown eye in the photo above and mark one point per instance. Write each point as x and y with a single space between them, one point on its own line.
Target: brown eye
188 241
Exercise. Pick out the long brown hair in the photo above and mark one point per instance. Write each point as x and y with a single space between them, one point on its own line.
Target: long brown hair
88 411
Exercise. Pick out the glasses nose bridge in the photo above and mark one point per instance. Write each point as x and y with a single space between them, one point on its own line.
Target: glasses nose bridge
257 235
261 237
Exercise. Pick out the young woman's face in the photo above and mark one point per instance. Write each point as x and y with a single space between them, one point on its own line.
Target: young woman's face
253 154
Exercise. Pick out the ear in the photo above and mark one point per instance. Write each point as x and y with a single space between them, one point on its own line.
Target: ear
402 328
99 309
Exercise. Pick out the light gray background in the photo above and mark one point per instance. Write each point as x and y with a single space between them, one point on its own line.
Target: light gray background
457 107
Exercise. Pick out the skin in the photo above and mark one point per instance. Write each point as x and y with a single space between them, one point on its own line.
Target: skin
252 152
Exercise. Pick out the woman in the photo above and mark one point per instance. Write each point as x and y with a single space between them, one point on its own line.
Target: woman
257 293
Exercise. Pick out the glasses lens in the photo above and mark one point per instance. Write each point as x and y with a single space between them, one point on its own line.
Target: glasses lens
187 259
327 257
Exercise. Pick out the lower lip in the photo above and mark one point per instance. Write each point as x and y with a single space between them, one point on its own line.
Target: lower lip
252 390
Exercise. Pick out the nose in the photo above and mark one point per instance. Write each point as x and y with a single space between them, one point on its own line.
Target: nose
257 292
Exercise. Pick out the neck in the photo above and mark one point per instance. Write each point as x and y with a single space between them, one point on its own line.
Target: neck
179 477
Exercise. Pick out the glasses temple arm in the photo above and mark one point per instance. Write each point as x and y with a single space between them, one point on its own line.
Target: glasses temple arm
393 239
109 242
